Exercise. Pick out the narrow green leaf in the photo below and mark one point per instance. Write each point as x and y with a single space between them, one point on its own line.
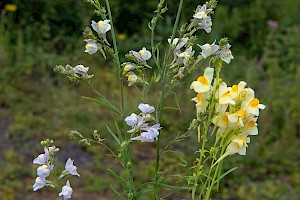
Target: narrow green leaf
119 179
113 135
143 192
226 173
116 191
118 131
102 103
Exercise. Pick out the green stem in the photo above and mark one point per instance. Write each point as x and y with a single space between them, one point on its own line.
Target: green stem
161 102
128 162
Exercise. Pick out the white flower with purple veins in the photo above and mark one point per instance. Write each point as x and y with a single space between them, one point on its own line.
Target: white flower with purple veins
44 170
42 158
178 44
101 27
208 49
185 56
143 55
66 191
91 46
148 136
205 24
70 168
225 54
201 12
81 70
39 183
146 108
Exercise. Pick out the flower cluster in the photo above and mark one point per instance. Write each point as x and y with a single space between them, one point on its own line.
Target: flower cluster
140 124
74 73
46 166
100 43
45 161
133 70
202 19
236 109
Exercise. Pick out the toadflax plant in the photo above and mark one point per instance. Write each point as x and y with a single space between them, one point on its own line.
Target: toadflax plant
225 116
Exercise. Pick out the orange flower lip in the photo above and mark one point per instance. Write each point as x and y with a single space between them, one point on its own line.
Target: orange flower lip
203 80
254 103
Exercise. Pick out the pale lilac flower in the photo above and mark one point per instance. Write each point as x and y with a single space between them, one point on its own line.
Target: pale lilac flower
70 168
91 46
67 191
148 136
185 56
208 49
44 170
42 158
225 54
143 55
39 183
146 108
81 70
156 127
101 27
132 120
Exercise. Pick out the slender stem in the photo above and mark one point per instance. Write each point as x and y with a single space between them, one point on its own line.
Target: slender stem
127 156
161 102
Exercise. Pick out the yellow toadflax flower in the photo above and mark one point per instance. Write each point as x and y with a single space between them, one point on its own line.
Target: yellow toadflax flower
237 145
201 102
236 119
224 95
10 7
203 83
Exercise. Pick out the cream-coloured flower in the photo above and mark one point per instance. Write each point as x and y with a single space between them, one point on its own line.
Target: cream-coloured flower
221 120
250 104
203 83
254 106
201 101
238 145
237 118
236 90
224 95
250 127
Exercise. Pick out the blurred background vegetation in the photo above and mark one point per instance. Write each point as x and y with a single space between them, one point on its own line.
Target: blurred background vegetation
36 104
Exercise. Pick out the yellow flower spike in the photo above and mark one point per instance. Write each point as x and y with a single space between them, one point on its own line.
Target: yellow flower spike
10 7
